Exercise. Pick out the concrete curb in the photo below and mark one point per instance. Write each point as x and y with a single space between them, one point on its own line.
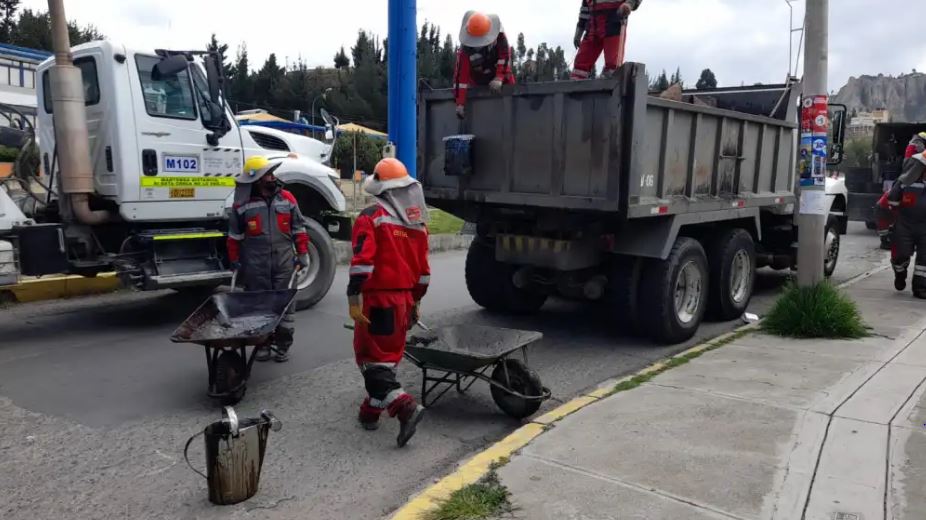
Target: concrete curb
478 466
56 287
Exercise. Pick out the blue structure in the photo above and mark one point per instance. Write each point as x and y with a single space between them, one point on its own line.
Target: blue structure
403 74
23 53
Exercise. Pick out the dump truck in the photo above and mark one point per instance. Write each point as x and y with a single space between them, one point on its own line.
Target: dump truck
140 152
660 210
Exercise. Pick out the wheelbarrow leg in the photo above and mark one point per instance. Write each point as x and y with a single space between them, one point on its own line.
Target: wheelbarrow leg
211 357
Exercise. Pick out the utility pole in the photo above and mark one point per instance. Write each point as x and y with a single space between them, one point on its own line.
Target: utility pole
403 74
811 218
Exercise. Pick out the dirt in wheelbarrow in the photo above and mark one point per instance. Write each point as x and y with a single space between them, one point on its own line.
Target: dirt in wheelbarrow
474 340
237 327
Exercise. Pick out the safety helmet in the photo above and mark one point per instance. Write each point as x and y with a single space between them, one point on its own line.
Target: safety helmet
479 29
922 135
390 169
257 167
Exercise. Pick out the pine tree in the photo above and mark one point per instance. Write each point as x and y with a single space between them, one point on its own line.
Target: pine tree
661 83
8 12
707 80
341 61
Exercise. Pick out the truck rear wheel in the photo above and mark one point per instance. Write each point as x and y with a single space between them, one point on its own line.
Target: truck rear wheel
732 258
674 293
830 246
315 281
490 282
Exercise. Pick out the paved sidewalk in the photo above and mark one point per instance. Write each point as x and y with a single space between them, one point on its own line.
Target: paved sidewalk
763 428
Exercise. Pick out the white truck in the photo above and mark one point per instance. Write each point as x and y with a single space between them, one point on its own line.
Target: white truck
164 150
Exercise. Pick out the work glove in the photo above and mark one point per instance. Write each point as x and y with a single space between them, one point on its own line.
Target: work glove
355 308
577 40
302 261
626 9
414 315
461 111
496 86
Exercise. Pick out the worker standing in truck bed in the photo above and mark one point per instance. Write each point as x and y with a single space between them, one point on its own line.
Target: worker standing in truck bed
602 27
484 58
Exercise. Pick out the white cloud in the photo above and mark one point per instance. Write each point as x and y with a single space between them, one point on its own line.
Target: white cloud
743 41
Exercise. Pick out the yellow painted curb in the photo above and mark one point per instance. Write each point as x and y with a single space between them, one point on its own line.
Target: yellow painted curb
565 409
468 473
62 287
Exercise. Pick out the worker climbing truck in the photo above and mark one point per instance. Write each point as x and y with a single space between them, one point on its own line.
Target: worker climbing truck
141 153
661 210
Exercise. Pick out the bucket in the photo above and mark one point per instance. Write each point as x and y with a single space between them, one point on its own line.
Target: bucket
234 455
458 155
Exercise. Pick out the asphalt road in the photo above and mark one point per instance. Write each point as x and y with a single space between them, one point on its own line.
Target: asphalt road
96 403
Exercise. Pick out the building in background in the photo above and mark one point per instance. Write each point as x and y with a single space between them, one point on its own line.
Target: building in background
863 124
17 83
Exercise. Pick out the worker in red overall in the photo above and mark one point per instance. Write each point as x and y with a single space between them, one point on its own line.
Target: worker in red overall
908 196
389 274
602 27
885 214
484 57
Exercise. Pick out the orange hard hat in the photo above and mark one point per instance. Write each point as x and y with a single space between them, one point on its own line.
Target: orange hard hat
478 25
390 169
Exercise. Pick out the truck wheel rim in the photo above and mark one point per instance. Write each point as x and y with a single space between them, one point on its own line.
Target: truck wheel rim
741 275
831 247
306 277
688 292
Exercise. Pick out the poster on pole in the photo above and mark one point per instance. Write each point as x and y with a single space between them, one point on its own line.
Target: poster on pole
814 143
812 202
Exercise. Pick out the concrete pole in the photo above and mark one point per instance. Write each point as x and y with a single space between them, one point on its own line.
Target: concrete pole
811 220
403 74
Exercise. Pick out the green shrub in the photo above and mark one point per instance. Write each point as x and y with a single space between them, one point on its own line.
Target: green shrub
369 152
8 154
487 498
821 311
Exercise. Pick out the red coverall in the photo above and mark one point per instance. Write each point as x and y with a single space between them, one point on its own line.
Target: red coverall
605 30
480 66
390 269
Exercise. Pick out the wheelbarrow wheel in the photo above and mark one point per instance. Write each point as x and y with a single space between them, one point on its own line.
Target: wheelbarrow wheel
230 369
521 380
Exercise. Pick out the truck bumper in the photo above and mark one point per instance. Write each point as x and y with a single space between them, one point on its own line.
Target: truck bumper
169 259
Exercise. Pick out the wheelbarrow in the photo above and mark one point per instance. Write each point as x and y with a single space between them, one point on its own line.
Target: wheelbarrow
226 325
457 356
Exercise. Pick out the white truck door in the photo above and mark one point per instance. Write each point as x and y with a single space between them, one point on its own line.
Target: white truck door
178 164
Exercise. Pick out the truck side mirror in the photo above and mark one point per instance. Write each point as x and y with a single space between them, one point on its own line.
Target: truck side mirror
837 115
213 78
169 66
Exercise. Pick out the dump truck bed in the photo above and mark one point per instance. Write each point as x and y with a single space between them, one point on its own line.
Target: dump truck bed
608 146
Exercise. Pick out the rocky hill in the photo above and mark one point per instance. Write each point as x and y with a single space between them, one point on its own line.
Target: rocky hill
904 96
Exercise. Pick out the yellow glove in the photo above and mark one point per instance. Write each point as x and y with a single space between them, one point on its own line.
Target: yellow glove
355 308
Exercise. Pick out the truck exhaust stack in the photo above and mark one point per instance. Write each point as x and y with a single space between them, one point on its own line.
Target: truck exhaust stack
71 123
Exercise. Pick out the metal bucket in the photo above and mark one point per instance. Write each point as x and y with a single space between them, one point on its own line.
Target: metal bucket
234 455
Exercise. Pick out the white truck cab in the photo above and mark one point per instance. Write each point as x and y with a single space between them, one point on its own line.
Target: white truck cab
165 150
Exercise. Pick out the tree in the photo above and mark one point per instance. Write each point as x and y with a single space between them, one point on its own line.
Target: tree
341 61
241 89
33 29
661 83
677 78
707 80
222 49
858 152
8 11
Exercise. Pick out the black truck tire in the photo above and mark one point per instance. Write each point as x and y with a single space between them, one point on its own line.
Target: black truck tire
732 259
831 246
623 293
314 284
490 283
683 276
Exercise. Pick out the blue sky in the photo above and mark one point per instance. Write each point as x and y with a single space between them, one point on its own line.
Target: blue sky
743 41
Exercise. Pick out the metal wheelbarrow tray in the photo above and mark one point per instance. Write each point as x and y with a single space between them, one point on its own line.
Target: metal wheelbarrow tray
461 354
251 319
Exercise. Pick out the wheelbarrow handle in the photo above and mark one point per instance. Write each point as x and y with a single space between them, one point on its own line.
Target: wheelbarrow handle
234 280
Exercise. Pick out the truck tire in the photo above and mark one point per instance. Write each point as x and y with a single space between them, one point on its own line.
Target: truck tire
673 295
314 282
490 283
732 258
830 246
623 293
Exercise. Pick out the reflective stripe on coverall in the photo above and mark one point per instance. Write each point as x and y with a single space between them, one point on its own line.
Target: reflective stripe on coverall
605 30
910 228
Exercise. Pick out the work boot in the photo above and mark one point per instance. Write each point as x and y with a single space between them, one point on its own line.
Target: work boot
900 281
409 414
281 354
369 415
263 354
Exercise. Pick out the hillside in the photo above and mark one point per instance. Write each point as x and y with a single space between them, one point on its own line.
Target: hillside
904 96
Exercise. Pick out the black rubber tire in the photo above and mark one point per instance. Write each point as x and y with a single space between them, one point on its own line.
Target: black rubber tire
832 224
720 255
657 293
490 283
623 293
524 381
871 225
230 368
327 258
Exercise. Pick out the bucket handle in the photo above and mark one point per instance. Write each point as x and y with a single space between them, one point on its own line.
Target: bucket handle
186 449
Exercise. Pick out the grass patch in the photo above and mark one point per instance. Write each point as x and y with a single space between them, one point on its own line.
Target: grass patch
443 223
485 499
822 311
